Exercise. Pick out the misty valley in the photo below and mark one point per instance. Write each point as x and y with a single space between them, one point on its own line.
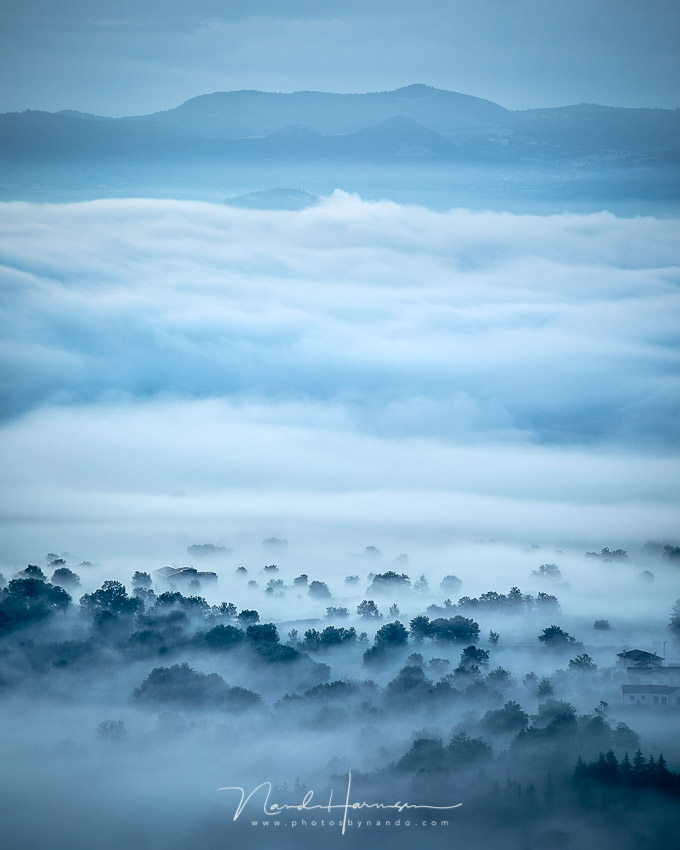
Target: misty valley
339 449
534 715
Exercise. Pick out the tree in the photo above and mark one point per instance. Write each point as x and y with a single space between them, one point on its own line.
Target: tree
493 638
420 628
225 610
337 613
426 754
438 666
510 718
626 768
624 738
555 637
602 709
223 637
516 599
204 549
275 587
468 675
582 663
601 625
493 600
545 688
471 655
547 602
530 681
332 635
421 585
181 684
661 768
28 600
455 629
65 577
464 750
141 579
607 555
672 553
374 654
263 633
368 610
248 617
146 594
389 581
391 634
193 605
264 639
547 571
33 571
639 765
409 680
674 622
555 711
112 596
450 584
301 580
499 678
319 589
441 610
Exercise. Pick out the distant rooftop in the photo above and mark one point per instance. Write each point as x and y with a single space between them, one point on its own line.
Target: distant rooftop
639 655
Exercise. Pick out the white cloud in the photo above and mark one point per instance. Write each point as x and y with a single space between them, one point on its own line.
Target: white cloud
352 362
558 325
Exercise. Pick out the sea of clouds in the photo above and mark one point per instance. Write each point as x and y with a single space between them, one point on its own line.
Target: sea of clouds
355 369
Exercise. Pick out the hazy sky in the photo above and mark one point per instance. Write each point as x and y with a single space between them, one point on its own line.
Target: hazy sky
131 57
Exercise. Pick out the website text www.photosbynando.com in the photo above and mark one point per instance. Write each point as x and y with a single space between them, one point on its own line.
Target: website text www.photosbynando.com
349 814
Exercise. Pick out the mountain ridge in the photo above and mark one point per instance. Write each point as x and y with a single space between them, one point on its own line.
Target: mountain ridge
469 121
380 142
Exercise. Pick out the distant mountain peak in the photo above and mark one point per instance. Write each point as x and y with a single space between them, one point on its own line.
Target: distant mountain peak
275 199
415 89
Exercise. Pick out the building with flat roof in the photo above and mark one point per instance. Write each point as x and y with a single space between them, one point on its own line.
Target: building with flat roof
184 575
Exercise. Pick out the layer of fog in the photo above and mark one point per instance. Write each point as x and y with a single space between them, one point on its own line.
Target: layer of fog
356 372
158 781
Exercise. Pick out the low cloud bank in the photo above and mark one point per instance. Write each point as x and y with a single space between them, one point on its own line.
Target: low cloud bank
352 363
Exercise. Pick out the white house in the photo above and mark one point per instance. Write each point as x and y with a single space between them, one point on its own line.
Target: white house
654 696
